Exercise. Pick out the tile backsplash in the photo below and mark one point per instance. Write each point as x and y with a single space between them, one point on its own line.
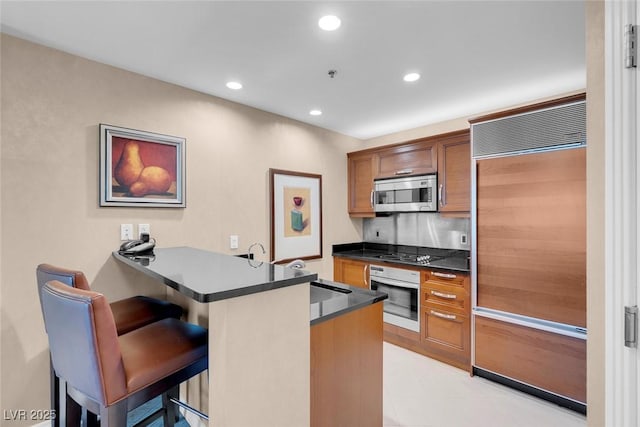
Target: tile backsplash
419 229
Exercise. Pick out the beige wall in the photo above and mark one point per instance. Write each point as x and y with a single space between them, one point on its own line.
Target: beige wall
52 104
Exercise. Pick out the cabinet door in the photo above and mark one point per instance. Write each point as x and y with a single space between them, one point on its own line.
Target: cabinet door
411 159
351 272
454 174
531 230
447 334
552 362
361 171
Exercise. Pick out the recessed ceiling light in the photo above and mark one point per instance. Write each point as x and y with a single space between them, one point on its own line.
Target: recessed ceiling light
411 77
329 23
234 85
315 112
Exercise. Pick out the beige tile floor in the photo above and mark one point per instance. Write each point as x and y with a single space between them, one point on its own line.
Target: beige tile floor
422 392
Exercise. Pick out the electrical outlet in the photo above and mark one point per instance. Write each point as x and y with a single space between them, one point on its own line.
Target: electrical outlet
144 228
463 239
126 231
233 241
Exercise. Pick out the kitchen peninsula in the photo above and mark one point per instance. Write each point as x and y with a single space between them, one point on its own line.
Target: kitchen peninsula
274 336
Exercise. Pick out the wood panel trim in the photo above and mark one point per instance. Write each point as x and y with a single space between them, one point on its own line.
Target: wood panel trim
432 138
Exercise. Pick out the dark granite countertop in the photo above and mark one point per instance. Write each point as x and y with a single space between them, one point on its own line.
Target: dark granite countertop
449 259
330 299
209 276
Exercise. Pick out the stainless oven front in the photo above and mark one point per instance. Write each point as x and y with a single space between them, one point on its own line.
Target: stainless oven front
402 308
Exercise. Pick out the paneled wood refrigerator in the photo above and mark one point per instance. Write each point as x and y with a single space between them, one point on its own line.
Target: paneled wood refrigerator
529 249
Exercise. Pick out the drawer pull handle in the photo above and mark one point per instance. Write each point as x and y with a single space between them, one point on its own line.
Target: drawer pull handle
442 295
444 275
364 275
404 172
444 316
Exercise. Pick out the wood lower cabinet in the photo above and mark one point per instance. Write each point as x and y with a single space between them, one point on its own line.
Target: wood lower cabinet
445 323
346 370
445 312
351 272
551 362
454 174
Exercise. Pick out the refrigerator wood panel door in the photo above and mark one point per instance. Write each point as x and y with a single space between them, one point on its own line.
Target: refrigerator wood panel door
551 362
531 235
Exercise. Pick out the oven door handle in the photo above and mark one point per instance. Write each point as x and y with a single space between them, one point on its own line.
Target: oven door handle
393 282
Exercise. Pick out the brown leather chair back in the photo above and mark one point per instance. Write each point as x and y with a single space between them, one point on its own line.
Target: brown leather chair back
47 272
83 341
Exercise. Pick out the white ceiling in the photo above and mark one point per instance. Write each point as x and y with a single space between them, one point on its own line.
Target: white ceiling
474 56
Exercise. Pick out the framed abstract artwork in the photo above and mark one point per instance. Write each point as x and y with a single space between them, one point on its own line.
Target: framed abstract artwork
141 169
296 215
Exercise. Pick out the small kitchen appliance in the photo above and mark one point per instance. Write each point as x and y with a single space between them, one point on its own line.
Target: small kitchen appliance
406 194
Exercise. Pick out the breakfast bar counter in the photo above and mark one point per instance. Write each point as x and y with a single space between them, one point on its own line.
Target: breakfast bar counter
282 343
259 334
206 276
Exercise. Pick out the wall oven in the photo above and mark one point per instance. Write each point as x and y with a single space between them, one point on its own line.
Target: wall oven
408 194
402 308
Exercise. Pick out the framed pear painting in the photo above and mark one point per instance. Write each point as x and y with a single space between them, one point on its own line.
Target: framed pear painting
141 169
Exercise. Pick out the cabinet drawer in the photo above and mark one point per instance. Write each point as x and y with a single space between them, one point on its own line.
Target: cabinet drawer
445 297
445 330
449 278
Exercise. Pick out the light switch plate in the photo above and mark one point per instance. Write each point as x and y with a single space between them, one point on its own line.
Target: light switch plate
233 241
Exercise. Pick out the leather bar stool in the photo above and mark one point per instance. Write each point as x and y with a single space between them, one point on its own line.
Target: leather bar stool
129 314
111 374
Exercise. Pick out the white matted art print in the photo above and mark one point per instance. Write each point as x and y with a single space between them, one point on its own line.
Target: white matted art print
296 215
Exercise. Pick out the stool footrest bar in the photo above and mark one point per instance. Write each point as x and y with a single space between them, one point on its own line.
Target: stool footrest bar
189 408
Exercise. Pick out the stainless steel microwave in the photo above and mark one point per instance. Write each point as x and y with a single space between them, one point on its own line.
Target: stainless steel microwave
407 194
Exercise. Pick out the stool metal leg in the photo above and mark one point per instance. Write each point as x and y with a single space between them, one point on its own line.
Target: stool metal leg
54 391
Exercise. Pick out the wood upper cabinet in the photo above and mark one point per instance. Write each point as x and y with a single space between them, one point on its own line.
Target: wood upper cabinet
454 173
416 158
351 272
447 154
361 171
